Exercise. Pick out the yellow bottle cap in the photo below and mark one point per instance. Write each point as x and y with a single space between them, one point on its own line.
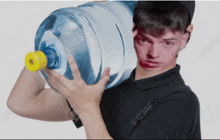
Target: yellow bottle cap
35 61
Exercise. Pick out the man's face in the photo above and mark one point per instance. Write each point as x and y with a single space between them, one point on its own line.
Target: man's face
158 53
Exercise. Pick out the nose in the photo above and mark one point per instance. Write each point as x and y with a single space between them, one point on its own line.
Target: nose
154 51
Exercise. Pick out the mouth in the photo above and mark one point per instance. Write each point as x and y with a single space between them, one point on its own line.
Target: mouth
149 64
153 62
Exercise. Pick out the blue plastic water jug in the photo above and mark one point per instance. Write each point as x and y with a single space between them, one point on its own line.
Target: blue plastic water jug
98 35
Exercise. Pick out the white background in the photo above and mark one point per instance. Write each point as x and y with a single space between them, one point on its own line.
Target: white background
199 62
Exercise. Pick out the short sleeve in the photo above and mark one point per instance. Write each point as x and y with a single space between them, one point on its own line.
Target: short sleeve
172 119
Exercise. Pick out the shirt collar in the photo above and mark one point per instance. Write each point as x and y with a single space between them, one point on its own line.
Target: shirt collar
158 80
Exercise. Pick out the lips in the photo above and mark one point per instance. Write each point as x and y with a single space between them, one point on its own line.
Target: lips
149 64
152 62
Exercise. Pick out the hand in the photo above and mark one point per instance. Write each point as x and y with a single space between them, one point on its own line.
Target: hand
82 97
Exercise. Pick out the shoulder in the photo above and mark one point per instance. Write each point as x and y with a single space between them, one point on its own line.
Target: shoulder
183 98
112 94
184 93
118 88
178 107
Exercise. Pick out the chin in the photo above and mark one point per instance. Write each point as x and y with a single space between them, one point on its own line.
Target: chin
153 69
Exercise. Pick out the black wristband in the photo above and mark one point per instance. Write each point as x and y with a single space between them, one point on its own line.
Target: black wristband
76 120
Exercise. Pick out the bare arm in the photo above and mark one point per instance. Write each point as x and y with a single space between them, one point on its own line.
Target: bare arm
30 99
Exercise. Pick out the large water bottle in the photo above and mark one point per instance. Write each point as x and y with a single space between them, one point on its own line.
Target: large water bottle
98 35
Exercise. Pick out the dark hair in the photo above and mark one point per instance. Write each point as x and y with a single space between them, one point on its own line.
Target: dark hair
157 16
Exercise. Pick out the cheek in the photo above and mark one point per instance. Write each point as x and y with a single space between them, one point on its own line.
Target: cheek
139 51
170 54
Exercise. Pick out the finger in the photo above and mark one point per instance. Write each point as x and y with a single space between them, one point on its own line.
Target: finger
106 72
57 86
74 67
105 77
46 71
58 78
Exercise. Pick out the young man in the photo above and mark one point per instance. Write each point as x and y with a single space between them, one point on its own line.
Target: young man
153 103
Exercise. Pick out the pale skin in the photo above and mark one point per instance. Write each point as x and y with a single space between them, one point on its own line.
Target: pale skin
39 103
30 99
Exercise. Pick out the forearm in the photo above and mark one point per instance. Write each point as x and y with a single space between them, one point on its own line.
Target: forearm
94 125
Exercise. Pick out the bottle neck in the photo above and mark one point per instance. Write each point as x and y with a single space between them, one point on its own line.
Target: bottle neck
52 58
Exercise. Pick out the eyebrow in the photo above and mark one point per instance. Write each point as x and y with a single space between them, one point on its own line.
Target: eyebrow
165 39
168 39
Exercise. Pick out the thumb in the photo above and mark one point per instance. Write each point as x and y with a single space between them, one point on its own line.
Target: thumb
105 77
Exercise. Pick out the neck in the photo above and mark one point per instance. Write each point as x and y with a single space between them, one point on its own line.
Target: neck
140 73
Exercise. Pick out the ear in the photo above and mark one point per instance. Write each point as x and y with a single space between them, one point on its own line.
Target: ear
189 28
134 31
186 36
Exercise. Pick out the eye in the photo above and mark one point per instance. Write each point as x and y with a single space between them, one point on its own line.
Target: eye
169 44
142 41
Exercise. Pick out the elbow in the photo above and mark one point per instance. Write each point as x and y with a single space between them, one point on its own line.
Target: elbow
11 105
15 106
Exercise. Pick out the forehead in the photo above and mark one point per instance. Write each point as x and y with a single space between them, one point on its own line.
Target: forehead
166 34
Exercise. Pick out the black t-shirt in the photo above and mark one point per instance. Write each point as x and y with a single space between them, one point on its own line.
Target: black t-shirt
159 107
